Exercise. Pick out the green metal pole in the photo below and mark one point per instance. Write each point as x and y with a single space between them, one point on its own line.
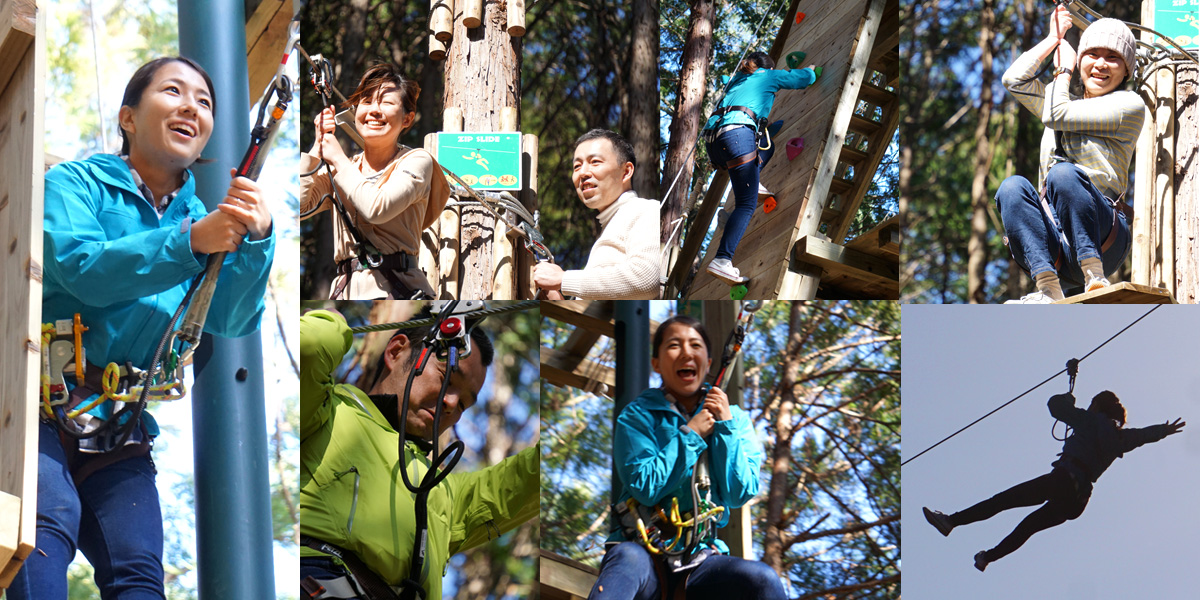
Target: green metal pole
233 499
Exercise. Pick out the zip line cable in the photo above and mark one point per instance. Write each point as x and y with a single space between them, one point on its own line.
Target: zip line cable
412 324
1044 382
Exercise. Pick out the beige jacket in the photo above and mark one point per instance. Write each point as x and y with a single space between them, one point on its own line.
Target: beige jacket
624 262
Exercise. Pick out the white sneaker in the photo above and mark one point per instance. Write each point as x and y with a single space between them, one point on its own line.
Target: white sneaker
1034 298
723 269
762 190
1095 282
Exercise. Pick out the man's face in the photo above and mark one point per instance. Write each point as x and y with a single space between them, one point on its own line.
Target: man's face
598 174
461 394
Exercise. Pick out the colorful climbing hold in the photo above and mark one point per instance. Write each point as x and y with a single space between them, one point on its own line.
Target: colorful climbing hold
799 17
768 204
817 70
794 147
795 59
738 292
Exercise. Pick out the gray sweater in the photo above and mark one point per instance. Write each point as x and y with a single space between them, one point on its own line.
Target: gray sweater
1096 440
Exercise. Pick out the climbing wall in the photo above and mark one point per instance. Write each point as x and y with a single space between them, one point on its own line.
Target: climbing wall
22 76
846 120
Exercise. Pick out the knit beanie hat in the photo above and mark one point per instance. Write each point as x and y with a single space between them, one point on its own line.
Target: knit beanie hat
1113 35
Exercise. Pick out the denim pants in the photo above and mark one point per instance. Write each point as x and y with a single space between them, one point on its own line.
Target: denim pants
628 573
113 517
1084 213
732 144
1064 500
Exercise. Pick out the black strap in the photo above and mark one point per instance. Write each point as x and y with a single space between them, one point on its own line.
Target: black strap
388 265
759 124
373 586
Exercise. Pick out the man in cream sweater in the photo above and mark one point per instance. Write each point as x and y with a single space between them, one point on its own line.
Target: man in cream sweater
624 262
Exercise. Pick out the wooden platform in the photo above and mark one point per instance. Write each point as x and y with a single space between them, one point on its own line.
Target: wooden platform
866 267
560 578
1122 293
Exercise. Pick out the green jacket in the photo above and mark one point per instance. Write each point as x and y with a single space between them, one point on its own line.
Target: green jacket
351 491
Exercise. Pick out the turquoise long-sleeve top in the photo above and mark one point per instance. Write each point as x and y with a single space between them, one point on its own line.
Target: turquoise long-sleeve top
654 451
756 91
110 257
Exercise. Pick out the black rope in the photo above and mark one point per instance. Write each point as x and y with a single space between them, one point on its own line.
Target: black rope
1044 382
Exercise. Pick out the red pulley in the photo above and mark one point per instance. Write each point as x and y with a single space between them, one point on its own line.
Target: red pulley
451 327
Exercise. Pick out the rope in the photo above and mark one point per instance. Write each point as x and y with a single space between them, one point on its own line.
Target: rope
413 324
1044 382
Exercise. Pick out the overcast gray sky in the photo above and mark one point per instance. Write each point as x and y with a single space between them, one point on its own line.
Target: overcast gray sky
1137 538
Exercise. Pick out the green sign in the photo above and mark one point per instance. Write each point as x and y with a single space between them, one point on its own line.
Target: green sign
486 161
1178 20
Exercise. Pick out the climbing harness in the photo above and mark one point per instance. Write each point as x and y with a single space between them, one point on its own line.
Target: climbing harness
681 539
1043 382
1072 371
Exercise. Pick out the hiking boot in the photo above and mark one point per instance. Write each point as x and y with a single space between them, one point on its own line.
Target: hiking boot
939 520
1034 298
1095 282
981 561
723 269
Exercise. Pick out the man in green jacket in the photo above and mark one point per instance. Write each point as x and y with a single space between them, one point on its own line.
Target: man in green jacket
354 503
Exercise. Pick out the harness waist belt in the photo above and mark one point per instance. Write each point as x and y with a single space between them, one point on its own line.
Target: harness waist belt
398 261
372 585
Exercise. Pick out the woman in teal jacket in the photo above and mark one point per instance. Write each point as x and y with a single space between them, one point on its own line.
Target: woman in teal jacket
733 133
124 237
658 440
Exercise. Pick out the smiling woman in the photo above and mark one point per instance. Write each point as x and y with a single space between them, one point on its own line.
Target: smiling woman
384 197
124 236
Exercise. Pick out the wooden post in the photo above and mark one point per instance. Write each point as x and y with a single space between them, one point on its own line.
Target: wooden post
508 118
516 18
452 119
437 49
22 105
472 14
528 198
441 19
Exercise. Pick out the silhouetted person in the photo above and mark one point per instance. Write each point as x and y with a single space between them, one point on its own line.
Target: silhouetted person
1098 438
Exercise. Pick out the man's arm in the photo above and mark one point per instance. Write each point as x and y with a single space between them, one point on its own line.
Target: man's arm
1134 437
494 500
324 340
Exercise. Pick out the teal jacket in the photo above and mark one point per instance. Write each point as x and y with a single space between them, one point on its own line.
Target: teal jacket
351 491
1096 441
110 257
654 451
756 91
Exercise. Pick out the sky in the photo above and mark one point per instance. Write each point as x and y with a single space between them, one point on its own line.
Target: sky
1136 537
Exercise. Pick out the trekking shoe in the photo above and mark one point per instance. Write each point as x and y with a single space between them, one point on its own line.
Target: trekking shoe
981 561
1034 298
723 269
939 520
1095 282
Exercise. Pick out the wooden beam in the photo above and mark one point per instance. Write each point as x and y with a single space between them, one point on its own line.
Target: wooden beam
581 340
574 312
1122 293
889 240
10 530
266 35
561 577
844 261
18 22
584 376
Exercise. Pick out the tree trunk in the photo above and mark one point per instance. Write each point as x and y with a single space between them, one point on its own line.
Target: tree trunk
1026 162
643 101
685 127
483 75
781 457
977 245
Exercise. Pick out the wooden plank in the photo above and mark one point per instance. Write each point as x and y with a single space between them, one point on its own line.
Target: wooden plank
22 106
1122 293
889 240
841 260
875 95
10 529
581 340
266 35
574 312
18 23
561 577
585 375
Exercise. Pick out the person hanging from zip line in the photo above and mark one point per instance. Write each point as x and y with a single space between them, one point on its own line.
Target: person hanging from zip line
1098 437
391 192
624 261
124 236
353 498
1074 227
737 140
657 441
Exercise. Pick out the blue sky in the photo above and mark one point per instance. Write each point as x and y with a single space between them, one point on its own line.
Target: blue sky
1135 539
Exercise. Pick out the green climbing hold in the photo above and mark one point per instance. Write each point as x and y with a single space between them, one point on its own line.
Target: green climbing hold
817 70
738 292
795 59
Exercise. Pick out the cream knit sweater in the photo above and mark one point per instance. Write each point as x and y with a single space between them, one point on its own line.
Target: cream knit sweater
623 264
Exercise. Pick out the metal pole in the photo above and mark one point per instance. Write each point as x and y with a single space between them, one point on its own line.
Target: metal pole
233 500
632 337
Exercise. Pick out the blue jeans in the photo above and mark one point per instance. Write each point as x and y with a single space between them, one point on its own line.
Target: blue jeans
732 144
1084 213
628 573
113 517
